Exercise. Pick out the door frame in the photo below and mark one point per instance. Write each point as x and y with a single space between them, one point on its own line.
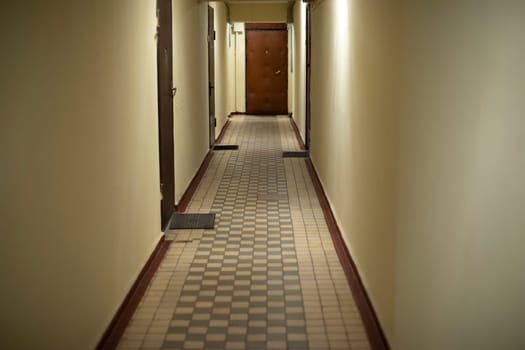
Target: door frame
308 110
165 95
211 74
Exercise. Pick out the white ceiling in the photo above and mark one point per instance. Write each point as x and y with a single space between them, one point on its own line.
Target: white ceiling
233 2
258 1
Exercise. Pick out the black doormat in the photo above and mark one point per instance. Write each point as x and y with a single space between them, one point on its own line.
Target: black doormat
181 221
296 154
225 147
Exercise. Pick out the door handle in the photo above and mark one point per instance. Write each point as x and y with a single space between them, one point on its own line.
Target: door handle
278 72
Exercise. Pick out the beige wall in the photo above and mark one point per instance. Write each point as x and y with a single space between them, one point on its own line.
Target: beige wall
417 134
79 185
354 133
460 266
291 79
270 12
190 76
240 67
230 69
299 76
222 108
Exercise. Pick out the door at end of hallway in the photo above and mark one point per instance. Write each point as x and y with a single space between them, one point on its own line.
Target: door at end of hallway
266 68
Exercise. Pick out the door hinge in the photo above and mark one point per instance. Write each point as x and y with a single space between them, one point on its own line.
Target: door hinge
161 191
215 122
212 37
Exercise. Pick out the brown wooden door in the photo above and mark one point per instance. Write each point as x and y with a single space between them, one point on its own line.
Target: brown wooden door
211 74
266 68
165 96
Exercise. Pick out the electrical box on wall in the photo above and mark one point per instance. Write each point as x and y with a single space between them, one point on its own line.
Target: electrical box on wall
238 27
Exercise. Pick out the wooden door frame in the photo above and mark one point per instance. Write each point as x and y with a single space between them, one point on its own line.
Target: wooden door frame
165 109
308 110
278 26
211 76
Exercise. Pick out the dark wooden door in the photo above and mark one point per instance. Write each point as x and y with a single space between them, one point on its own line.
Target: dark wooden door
266 68
211 73
165 96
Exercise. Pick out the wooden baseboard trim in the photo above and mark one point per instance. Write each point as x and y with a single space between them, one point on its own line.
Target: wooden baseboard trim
116 328
297 134
188 194
373 328
233 114
223 131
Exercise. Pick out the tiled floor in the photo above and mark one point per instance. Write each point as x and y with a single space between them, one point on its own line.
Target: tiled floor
267 276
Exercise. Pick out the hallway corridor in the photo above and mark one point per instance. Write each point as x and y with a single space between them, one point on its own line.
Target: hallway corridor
403 230
267 276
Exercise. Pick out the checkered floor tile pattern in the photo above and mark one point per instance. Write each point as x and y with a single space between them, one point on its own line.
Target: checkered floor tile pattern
267 276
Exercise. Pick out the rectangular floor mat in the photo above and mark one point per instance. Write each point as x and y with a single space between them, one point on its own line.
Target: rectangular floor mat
225 147
181 221
272 197
296 154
